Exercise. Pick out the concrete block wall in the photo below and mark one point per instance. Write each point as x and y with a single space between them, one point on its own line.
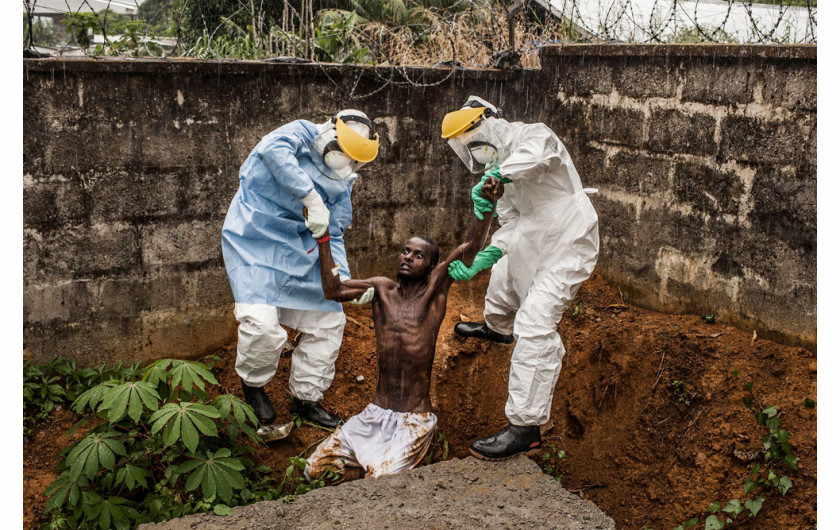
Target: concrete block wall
706 163
129 168
705 157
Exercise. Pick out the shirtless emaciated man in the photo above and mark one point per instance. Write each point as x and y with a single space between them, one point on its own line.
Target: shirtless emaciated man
394 432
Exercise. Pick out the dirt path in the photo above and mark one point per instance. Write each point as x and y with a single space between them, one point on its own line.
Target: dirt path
648 407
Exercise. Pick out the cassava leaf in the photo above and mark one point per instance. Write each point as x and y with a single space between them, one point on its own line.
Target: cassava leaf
182 421
129 398
216 474
91 398
228 403
189 373
157 372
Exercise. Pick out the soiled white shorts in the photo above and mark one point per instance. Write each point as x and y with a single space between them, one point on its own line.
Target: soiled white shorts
380 441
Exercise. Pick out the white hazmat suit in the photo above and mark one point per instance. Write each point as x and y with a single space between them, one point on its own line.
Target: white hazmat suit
549 243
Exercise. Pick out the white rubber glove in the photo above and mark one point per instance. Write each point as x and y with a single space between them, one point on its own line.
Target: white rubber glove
366 297
317 215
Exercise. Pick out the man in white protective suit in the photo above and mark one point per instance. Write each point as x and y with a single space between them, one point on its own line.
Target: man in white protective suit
270 253
545 248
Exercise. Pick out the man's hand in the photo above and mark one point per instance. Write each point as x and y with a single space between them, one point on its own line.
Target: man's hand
366 297
487 191
492 189
317 215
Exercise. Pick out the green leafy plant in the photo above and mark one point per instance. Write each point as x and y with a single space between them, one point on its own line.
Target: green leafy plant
295 480
765 477
551 461
60 381
439 449
680 393
578 307
162 449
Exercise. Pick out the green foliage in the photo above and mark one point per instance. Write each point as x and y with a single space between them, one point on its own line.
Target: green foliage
81 27
703 33
61 382
157 17
295 478
678 387
551 461
162 449
439 443
764 476
334 38
578 307
43 33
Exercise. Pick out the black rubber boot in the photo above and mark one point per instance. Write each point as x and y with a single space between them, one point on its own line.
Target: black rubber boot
510 441
314 412
481 331
258 399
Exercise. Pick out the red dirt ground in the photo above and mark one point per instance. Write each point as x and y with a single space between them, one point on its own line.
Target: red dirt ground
647 408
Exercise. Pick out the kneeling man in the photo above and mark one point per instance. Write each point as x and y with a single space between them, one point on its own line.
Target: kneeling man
394 432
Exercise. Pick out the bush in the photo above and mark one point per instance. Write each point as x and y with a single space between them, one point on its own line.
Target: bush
162 449
60 382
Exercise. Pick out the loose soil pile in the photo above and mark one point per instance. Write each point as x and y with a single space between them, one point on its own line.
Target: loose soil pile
649 408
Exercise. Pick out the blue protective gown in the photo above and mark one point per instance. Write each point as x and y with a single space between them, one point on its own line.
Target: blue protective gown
265 244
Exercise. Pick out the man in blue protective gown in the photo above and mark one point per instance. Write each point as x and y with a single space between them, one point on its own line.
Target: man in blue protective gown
268 243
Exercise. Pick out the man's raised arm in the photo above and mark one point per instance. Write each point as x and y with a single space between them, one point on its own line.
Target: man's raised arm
334 288
491 189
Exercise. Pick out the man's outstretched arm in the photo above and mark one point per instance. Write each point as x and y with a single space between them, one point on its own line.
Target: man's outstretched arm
334 288
492 189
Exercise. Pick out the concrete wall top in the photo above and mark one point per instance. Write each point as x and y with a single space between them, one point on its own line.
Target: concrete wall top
710 50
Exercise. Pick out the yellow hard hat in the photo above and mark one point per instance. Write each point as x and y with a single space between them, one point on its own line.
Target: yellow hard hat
355 145
459 121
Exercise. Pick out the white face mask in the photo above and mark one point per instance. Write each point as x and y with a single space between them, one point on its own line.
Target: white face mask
337 160
483 153
478 148
342 165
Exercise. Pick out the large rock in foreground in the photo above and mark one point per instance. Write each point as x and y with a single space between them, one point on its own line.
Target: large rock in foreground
466 493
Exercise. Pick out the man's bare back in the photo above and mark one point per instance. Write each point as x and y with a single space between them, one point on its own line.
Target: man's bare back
408 314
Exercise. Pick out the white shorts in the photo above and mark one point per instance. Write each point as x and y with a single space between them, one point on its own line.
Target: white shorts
380 441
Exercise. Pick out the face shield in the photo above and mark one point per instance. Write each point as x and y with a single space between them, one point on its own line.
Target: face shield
478 148
346 143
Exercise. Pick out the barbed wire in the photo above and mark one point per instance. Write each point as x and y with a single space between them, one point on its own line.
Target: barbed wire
468 34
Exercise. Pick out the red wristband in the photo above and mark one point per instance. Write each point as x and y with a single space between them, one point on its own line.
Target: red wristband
323 239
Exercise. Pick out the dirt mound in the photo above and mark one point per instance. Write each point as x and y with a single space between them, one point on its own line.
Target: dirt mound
464 493
648 407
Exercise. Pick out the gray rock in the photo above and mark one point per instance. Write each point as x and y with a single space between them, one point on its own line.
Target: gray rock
466 493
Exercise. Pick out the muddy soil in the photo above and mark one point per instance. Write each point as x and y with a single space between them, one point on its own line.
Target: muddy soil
648 407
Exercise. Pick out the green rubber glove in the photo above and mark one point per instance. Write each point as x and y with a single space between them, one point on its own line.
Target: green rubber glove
483 260
497 174
480 204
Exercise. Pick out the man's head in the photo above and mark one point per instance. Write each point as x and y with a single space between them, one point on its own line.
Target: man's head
419 256
346 142
475 134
